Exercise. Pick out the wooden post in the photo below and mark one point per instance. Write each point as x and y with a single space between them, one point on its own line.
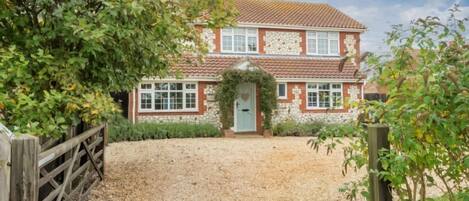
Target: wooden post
105 143
25 169
377 140
106 133
5 149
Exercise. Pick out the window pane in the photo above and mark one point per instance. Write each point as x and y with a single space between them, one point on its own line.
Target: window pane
227 43
322 46
145 86
175 102
145 100
336 99
312 42
227 31
252 31
336 86
333 45
161 100
312 86
161 86
281 90
322 35
252 44
312 99
323 86
333 35
239 31
190 100
175 86
239 43
190 86
312 46
324 100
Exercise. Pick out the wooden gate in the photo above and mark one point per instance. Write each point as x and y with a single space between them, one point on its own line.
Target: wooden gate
66 171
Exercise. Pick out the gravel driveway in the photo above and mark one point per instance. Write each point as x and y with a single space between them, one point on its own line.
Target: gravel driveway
221 169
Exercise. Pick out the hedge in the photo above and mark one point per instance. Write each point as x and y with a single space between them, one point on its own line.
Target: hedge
120 129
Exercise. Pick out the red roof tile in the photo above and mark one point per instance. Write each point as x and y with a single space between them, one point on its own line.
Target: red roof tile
279 67
293 13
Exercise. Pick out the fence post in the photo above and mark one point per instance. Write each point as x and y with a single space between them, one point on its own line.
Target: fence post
377 140
5 149
25 170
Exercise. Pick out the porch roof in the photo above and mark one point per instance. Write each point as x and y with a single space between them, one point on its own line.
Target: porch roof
280 67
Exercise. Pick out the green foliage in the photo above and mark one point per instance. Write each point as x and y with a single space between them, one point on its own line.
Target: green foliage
227 93
120 129
460 196
60 59
427 110
292 128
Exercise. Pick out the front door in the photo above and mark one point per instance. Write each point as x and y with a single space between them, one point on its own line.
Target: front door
245 108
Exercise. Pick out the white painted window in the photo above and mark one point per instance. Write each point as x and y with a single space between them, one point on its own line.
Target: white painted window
239 40
168 97
323 43
282 90
324 95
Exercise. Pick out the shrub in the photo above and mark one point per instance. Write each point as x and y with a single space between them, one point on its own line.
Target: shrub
314 128
292 128
120 129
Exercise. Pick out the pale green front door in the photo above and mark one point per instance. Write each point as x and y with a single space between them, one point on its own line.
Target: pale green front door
245 108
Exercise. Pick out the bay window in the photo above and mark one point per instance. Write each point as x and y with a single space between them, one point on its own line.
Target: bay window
239 40
168 96
324 95
323 43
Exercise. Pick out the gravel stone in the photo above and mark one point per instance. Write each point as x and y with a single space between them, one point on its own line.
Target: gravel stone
278 168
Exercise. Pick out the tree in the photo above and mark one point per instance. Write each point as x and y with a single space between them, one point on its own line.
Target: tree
60 59
427 111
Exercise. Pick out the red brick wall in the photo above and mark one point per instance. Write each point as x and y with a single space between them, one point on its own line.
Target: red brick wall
342 43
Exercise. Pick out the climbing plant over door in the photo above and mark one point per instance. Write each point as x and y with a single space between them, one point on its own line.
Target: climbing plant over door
226 94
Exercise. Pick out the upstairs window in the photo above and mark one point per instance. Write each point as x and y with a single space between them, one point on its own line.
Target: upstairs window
324 95
239 40
323 43
168 97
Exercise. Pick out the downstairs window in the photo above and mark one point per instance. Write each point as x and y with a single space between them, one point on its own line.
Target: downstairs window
168 97
324 95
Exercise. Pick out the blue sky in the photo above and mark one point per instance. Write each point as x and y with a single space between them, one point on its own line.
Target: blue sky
379 15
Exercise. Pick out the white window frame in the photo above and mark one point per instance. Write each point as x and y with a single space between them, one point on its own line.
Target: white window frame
329 38
246 38
331 90
286 91
153 90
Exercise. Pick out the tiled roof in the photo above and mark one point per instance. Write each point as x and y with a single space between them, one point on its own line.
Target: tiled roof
279 67
293 13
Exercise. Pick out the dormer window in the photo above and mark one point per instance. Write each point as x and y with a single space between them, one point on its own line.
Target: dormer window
239 40
323 43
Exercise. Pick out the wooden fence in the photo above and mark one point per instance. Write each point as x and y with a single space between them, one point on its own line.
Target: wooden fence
57 169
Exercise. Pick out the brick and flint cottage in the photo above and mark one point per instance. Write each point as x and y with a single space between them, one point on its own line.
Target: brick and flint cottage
300 44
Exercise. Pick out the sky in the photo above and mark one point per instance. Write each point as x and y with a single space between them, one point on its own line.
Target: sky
379 15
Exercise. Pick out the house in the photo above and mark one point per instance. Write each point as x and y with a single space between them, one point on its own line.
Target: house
298 43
